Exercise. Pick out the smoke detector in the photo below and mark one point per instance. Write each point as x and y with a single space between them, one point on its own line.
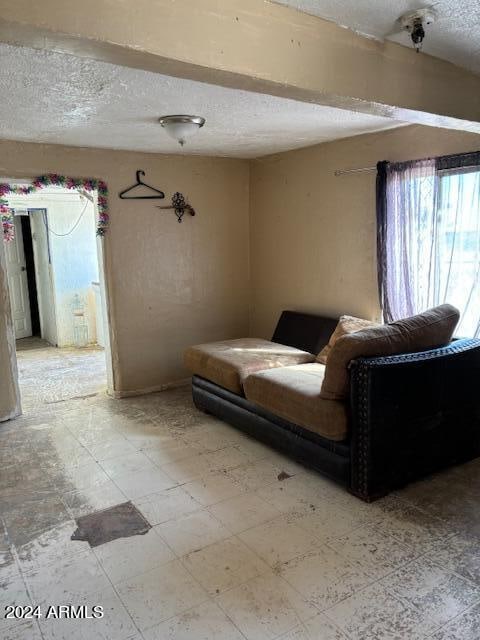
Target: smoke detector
415 22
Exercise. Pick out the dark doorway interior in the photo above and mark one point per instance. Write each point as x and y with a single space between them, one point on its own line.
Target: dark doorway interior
30 265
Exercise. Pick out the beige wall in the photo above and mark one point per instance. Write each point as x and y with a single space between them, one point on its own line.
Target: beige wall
171 284
313 234
309 243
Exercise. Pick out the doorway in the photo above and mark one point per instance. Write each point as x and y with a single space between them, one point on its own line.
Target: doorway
58 302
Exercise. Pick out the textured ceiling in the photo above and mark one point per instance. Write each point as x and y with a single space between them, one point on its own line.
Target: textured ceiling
55 98
455 36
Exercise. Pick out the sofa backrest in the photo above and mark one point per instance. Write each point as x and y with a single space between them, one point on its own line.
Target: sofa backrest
427 330
304 331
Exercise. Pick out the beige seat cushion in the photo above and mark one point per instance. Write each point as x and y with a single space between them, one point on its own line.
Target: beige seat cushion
346 324
228 363
432 328
293 393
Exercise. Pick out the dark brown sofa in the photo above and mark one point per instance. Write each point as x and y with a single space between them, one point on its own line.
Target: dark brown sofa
405 416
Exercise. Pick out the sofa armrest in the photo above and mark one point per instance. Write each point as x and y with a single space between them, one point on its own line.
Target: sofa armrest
412 414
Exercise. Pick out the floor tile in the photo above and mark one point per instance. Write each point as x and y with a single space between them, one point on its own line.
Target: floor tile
67 580
128 557
95 433
378 554
374 614
167 505
142 483
464 627
192 532
324 577
286 501
12 592
160 594
67 456
287 464
111 449
171 451
50 546
312 487
188 469
86 476
460 554
411 526
204 622
86 501
144 433
213 434
438 495
257 474
214 487
116 623
243 512
32 515
227 458
254 449
317 628
224 565
279 540
265 607
327 521
22 631
436 593
126 464
8 566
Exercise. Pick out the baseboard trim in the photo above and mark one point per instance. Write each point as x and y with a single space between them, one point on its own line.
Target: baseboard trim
129 393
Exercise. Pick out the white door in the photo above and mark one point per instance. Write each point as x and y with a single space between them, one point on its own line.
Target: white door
43 276
18 283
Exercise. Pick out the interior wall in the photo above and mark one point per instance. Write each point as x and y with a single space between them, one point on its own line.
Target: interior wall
313 235
170 284
74 263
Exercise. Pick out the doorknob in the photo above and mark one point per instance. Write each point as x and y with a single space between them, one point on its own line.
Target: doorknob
24 268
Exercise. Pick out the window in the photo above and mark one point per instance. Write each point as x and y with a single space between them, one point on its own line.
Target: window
429 237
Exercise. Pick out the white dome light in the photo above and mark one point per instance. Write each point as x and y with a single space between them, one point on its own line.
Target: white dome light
182 127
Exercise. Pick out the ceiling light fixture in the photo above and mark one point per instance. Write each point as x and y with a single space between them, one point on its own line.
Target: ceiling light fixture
181 127
415 22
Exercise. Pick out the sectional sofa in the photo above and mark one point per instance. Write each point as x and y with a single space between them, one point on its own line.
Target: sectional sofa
371 406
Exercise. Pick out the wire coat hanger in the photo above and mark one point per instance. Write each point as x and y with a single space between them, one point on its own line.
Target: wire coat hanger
140 183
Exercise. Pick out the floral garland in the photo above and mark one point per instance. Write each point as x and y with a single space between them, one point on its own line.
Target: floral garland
7 221
49 180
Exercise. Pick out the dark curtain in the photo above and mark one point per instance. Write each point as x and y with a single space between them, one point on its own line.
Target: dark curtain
381 202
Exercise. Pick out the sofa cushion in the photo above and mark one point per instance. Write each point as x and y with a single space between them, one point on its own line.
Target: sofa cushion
229 362
293 393
346 324
427 330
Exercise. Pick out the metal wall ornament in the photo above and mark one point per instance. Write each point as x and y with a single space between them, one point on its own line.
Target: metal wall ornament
179 206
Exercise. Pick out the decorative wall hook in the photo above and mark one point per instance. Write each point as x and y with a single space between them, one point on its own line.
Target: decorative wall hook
179 206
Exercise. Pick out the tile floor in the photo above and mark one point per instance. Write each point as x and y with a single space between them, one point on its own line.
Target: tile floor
234 553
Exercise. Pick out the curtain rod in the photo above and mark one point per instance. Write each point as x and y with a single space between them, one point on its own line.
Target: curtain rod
341 172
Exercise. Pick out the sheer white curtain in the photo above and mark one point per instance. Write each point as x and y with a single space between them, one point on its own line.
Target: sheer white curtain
429 240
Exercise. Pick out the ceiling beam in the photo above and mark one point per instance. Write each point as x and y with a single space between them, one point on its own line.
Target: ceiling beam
253 45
